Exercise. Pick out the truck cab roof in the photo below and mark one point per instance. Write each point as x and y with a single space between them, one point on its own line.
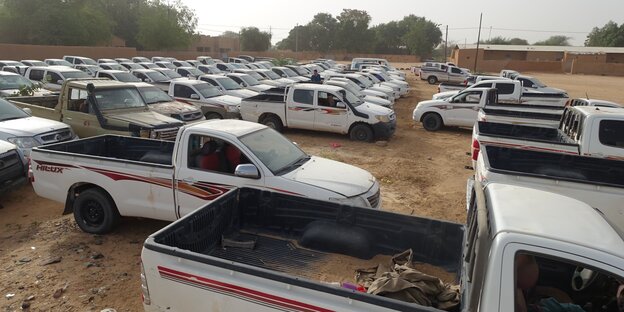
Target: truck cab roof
599 111
594 102
319 87
98 83
521 210
233 127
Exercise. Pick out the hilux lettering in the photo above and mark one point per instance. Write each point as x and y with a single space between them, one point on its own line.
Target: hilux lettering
52 169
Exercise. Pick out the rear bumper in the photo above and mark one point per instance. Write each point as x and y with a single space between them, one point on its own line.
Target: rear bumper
384 130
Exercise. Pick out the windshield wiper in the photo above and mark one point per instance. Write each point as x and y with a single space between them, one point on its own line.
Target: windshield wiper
294 165
11 118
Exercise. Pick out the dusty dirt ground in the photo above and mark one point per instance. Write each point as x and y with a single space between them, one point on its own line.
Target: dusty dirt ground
421 173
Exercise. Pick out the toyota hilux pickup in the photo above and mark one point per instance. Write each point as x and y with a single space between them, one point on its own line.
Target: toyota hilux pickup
101 106
102 178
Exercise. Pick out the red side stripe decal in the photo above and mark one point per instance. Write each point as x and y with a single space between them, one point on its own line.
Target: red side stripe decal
240 291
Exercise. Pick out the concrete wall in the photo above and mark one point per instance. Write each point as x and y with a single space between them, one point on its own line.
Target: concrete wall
40 52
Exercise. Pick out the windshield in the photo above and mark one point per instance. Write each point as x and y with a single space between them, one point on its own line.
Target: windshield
118 99
194 71
8 82
61 63
38 63
275 151
126 77
364 82
132 66
167 65
289 72
184 64
89 61
154 95
228 83
351 98
116 67
300 71
13 63
272 75
75 74
171 74
9 111
207 90
538 83
249 80
149 65
256 76
156 76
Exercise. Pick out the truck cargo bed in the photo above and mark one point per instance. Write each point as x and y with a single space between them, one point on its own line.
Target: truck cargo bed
520 114
519 132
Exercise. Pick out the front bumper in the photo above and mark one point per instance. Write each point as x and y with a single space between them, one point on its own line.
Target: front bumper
384 130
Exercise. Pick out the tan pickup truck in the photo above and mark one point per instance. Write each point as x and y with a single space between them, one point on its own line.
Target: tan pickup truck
101 106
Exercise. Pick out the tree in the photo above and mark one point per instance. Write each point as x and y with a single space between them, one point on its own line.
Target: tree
353 34
299 39
164 26
609 35
252 39
322 30
554 41
388 38
422 35
504 41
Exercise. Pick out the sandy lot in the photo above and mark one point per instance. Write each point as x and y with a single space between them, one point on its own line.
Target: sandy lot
44 256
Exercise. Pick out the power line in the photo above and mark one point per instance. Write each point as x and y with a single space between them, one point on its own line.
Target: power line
524 30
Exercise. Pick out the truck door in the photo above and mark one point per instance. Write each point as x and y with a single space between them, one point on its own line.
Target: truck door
463 109
207 171
456 75
328 115
300 111
79 115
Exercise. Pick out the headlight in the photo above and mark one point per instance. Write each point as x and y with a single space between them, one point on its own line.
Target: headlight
24 142
357 201
383 118
144 133
232 108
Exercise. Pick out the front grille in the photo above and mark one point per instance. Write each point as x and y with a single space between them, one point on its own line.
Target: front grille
168 134
191 116
374 199
10 167
56 136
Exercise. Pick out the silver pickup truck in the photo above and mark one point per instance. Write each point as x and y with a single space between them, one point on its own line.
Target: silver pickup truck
452 74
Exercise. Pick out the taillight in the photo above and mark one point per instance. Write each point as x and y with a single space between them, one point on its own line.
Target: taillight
31 175
476 147
144 289
465 82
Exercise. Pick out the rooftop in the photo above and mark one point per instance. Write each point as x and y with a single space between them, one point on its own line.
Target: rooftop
583 50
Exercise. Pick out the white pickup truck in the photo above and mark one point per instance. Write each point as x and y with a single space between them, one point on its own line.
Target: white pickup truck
528 115
257 251
210 99
320 107
102 178
434 75
512 92
583 130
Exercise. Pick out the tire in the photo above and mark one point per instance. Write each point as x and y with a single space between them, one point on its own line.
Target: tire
432 79
95 212
361 132
432 122
273 122
213 116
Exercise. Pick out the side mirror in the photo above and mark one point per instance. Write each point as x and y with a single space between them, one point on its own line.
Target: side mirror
247 171
283 75
341 105
60 81
242 84
195 96
27 110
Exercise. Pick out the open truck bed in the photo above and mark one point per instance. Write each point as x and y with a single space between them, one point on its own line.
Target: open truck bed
298 242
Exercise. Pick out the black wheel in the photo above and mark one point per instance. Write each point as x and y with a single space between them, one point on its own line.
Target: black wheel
432 79
273 122
432 122
213 116
361 132
95 212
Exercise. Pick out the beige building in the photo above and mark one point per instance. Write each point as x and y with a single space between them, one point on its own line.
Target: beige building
577 60
215 46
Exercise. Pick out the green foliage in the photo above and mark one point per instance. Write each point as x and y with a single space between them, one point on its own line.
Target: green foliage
283 61
26 90
252 39
554 41
506 41
609 35
421 36
141 23
353 34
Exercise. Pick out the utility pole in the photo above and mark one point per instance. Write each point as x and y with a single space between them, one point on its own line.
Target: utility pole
490 35
478 40
297 38
445 43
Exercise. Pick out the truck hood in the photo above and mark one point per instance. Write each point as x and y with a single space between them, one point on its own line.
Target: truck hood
377 101
429 103
146 119
241 93
6 146
30 126
335 176
224 100
444 95
374 109
174 107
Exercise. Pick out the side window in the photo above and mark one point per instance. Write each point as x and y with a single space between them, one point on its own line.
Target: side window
212 154
505 88
78 101
326 99
611 133
140 76
456 70
36 74
212 82
70 59
303 97
527 83
485 85
79 61
279 72
105 75
182 91
53 77
237 79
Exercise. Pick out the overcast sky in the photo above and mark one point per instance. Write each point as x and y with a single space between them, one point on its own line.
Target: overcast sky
528 19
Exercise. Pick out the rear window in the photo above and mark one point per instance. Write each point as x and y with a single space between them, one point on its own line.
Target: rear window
36 74
505 88
611 133
303 97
